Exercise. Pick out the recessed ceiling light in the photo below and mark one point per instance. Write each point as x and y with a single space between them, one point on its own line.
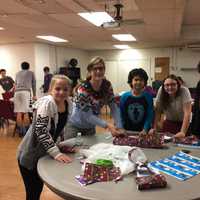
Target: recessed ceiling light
1 28
51 38
124 37
96 18
121 46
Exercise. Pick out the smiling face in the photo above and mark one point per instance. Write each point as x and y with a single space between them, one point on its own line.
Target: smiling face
60 90
138 84
171 86
97 72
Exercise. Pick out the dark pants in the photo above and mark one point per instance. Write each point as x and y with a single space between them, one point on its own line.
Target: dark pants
33 183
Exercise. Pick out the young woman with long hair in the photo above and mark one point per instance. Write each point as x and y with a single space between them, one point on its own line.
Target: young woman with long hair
174 101
50 114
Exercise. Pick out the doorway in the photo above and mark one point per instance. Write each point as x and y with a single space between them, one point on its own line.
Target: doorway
161 67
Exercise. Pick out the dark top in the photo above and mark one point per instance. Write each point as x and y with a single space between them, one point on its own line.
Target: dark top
47 81
7 83
62 119
136 111
195 125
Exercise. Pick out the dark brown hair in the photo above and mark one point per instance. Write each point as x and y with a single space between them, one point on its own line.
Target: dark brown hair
164 97
137 72
2 70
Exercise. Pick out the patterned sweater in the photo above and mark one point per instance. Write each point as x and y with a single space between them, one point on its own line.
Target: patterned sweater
38 140
87 105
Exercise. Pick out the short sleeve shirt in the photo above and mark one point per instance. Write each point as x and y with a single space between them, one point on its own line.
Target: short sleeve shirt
174 112
6 83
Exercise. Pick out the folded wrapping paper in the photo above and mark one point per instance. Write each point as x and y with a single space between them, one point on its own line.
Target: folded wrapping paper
151 181
148 178
97 173
145 140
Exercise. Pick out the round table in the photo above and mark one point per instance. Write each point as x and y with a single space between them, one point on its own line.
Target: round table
60 178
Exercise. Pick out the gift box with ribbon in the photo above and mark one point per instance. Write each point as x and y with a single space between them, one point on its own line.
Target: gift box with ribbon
151 181
98 173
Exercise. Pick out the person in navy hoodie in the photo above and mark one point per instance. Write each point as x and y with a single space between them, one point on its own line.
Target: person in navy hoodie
136 105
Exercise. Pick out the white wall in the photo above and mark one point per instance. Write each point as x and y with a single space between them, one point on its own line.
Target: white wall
39 55
65 54
188 59
56 57
11 57
120 62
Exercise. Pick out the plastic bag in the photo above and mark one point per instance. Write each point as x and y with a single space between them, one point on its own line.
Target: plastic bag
119 155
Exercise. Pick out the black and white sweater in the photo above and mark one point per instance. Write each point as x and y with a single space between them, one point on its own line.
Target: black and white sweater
38 141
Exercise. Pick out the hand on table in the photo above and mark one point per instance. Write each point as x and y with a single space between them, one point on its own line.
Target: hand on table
114 131
180 135
143 132
152 131
63 158
34 98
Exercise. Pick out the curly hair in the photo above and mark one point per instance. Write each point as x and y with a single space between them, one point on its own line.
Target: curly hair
137 72
164 97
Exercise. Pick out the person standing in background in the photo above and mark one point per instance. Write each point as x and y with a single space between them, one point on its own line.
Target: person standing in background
47 79
6 82
25 92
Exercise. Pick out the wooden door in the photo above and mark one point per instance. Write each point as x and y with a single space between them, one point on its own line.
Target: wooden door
161 67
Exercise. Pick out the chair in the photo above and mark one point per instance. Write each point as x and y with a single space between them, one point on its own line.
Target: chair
8 95
7 112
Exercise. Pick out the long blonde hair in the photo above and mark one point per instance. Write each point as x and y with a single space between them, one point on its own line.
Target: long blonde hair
57 77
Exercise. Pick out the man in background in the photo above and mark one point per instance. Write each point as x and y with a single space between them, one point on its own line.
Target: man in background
47 79
25 92
6 82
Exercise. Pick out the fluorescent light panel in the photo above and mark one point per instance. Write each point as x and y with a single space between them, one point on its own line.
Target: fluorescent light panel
2 28
124 37
51 38
121 46
96 18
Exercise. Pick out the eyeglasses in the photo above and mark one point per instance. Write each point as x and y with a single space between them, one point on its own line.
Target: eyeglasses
170 84
98 69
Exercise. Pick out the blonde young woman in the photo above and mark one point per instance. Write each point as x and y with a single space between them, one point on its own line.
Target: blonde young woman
49 118
90 96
